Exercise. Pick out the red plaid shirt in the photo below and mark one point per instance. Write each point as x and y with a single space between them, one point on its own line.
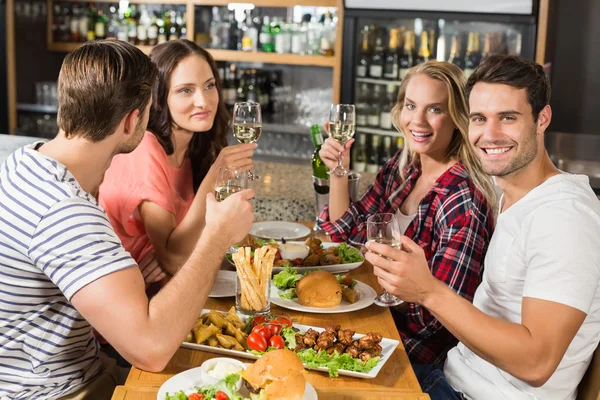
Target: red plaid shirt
454 225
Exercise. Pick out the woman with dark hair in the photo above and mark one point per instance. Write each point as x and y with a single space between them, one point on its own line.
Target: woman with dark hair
155 196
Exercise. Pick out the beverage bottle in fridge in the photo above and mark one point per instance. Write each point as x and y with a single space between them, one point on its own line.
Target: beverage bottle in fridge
359 162
318 166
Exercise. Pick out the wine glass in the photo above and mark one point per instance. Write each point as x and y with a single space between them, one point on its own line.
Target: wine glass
383 228
247 126
230 180
342 125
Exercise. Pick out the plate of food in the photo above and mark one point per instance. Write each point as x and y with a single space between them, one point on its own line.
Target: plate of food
224 285
319 292
332 350
313 253
277 373
279 230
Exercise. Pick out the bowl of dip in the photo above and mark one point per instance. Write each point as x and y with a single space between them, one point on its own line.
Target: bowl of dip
217 369
293 250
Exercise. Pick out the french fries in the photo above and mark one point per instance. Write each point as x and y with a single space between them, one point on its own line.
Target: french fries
254 275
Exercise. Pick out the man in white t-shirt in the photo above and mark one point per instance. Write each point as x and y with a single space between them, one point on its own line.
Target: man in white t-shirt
535 319
62 267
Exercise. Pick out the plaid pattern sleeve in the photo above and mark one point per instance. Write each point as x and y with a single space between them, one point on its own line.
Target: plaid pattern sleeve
462 233
350 227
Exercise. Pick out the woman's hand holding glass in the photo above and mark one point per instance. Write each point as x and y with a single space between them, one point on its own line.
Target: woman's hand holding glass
331 150
341 126
239 156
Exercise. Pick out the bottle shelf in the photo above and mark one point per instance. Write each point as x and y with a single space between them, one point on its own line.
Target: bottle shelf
378 81
165 2
377 131
230 55
271 3
38 108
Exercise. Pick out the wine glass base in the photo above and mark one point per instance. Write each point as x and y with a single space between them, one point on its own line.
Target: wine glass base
387 300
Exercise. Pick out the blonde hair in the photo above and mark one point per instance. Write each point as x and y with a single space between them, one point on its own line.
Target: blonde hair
460 147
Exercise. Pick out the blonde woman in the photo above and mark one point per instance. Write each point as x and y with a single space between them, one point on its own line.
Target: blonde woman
438 191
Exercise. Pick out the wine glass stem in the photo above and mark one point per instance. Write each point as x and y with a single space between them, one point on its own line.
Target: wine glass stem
340 161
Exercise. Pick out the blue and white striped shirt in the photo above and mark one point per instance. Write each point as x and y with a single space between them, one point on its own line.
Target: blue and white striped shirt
54 240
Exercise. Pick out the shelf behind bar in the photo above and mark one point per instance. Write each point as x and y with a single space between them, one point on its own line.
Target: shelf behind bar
269 3
165 2
376 131
39 108
379 81
68 47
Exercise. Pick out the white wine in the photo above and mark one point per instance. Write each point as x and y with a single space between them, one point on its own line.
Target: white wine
246 133
341 131
395 243
223 192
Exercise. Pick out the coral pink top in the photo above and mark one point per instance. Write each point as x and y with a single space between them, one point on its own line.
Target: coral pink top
144 175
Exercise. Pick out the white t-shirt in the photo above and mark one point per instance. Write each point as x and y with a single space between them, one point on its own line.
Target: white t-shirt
404 221
54 240
546 246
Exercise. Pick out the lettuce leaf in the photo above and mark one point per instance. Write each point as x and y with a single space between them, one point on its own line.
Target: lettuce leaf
289 335
349 254
176 396
227 386
287 278
335 362
288 294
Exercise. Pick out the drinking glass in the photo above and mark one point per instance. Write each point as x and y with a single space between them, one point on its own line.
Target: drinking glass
342 125
247 126
230 180
383 228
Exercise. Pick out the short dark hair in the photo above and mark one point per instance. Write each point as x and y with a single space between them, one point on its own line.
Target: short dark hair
99 84
204 146
516 72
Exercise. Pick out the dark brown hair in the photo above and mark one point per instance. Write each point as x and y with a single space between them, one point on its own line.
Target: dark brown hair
99 84
516 72
204 146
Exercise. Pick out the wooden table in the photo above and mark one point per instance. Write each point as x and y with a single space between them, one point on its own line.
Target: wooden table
395 380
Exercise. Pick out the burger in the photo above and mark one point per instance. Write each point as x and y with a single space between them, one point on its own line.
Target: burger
319 289
277 375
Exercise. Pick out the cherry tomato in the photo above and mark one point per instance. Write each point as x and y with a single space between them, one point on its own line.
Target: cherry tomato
257 342
277 342
346 280
258 320
284 321
275 328
221 396
196 396
263 330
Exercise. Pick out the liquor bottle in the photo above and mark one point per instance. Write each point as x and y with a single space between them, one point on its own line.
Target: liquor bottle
229 92
252 91
264 95
376 64
359 162
131 25
100 26
385 120
455 57
431 45
232 33
174 26
424 52
83 25
363 59
399 144
327 36
385 150
392 59
144 26
266 39
372 155
473 56
297 37
487 46
318 166
250 34
181 21
362 105
153 32
242 90
75 35
91 22
406 58
373 119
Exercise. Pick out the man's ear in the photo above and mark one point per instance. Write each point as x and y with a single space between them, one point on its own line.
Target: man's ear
544 119
130 122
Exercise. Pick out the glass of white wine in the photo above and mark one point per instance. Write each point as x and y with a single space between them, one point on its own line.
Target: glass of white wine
342 124
247 126
230 180
383 228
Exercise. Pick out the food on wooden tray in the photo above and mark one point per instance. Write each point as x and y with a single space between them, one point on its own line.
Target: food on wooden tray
288 279
219 330
319 289
277 375
254 273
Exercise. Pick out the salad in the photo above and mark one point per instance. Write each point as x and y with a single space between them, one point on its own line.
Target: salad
225 389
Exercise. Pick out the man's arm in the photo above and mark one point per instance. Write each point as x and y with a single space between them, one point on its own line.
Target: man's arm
147 333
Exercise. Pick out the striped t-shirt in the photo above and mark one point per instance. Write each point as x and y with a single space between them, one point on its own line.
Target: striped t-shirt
54 240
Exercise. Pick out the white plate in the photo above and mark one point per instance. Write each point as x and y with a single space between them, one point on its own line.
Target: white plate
388 346
224 285
186 381
279 229
366 297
